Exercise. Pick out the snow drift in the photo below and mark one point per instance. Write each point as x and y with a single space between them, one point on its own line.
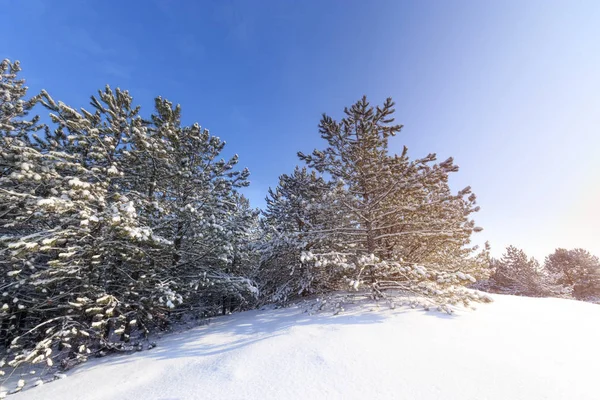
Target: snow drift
514 348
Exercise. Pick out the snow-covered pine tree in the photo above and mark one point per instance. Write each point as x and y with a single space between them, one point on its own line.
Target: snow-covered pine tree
84 267
404 230
244 235
300 216
16 184
576 272
516 273
112 226
192 202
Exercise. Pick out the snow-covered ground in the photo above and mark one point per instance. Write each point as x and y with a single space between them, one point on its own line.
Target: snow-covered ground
515 348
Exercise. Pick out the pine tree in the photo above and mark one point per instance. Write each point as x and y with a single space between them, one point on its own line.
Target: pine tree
402 228
82 261
114 226
576 271
194 200
300 215
517 274
17 183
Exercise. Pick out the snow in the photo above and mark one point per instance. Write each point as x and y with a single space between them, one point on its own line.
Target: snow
515 348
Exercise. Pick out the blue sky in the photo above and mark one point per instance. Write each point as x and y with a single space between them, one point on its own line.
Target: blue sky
510 89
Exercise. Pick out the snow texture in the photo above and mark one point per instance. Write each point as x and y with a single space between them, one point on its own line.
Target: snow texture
515 348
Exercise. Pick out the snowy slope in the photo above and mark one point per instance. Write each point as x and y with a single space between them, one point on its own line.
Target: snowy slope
515 348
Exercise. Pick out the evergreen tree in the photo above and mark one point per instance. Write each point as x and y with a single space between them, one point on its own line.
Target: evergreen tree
84 272
17 183
114 226
576 271
300 215
515 273
195 206
402 228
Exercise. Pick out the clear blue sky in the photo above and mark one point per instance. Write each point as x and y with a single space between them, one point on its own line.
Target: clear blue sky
511 89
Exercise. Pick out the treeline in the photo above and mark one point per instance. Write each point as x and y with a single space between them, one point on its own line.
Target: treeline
115 224
565 273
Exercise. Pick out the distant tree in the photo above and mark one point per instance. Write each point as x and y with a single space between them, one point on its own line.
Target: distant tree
516 273
577 271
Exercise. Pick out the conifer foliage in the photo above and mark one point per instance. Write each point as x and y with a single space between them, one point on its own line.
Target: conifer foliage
113 225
